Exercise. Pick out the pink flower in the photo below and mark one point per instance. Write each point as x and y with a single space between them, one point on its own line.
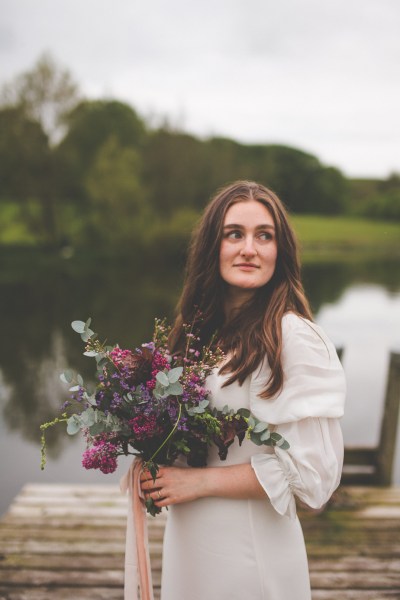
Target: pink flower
102 456
138 364
144 426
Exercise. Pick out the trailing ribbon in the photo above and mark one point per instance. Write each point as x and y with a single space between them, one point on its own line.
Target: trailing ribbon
137 556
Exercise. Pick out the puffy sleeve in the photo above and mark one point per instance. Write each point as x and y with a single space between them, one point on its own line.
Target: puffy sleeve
306 412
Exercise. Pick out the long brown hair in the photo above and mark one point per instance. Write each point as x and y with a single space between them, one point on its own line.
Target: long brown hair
255 331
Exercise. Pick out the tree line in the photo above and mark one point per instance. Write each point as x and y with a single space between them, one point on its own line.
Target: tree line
93 173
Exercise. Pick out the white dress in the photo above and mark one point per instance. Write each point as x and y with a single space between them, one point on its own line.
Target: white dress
228 549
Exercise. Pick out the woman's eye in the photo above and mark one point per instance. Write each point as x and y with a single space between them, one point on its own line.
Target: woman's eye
233 235
266 235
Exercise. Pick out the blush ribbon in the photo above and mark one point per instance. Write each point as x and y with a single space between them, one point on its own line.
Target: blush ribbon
137 555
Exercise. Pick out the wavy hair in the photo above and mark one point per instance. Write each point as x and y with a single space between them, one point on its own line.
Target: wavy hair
255 331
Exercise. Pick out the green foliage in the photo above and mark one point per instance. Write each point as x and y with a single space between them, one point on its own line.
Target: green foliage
24 155
117 207
44 94
168 384
112 184
322 237
43 429
90 125
378 199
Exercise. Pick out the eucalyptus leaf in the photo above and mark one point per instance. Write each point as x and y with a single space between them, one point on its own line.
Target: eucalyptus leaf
88 417
204 403
88 323
260 427
265 435
79 379
159 391
162 378
244 412
67 376
97 428
255 439
101 362
251 422
90 353
174 374
74 388
73 425
175 389
86 335
78 326
284 445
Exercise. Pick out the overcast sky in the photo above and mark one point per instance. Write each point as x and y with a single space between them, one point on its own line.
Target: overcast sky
320 76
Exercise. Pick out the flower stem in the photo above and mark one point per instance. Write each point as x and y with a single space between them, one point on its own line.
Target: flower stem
43 428
169 435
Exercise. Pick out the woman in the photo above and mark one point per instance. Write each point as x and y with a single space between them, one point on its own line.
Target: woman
232 530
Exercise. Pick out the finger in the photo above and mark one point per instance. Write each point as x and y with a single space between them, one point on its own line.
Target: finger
149 485
147 476
157 495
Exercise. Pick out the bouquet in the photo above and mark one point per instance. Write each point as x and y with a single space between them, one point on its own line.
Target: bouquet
151 404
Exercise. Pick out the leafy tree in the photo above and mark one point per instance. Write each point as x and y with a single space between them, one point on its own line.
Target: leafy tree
44 94
90 125
118 210
24 155
27 173
375 198
176 171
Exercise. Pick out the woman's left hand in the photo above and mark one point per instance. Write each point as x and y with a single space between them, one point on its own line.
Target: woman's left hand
173 485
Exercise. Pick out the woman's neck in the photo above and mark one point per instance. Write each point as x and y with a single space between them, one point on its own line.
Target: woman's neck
234 300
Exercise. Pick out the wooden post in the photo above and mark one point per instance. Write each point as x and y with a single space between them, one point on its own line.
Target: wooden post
387 442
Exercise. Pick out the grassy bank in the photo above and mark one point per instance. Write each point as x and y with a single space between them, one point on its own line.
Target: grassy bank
321 238
324 238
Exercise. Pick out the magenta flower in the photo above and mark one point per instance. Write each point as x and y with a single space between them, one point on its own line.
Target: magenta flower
102 456
145 426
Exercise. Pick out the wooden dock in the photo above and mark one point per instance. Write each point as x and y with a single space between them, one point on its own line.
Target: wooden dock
67 542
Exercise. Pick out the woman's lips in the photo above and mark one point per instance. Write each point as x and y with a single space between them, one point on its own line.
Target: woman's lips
247 266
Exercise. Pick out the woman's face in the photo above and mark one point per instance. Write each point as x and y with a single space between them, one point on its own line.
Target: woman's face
248 249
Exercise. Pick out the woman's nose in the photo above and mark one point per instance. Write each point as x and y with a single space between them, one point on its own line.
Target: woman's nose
248 248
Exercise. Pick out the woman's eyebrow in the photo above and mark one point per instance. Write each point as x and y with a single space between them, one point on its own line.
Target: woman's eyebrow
237 226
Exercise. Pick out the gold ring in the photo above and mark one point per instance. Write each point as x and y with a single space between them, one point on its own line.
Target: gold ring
159 495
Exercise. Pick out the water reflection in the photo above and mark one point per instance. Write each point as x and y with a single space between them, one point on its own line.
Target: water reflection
357 303
366 322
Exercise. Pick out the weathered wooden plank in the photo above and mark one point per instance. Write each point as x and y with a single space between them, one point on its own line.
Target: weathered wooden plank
38 547
387 440
66 577
86 533
80 562
355 563
115 577
371 594
115 562
77 489
44 593
353 547
354 580
66 593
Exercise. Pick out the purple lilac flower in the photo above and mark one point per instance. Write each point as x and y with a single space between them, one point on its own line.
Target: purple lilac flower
102 456
144 426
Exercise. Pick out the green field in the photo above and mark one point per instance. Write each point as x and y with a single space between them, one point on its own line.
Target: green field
320 237
338 237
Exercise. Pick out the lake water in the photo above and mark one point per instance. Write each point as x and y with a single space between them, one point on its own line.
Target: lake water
357 303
